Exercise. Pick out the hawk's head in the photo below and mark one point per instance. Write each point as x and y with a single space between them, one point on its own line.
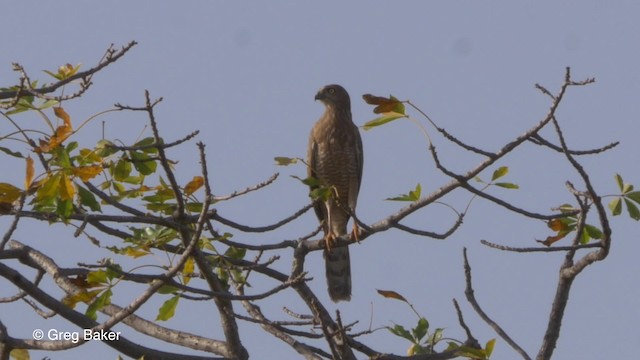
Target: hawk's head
334 95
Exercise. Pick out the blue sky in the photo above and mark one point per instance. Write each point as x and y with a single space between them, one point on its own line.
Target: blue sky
245 74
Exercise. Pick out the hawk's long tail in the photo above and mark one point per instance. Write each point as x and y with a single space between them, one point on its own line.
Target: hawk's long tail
338 269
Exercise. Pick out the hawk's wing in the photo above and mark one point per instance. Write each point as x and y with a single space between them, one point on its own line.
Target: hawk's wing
312 161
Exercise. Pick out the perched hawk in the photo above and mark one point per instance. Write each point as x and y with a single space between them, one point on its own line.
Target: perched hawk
334 156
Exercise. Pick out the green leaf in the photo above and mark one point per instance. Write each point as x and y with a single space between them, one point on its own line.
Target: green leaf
195 207
627 188
585 238
507 185
633 196
399 105
400 331
619 181
565 208
468 351
593 232
421 329
436 336
88 199
615 206
321 193
47 104
632 209
105 148
284 161
143 167
165 208
97 277
71 146
111 271
99 304
236 253
413 195
167 289
168 309
309 181
52 74
160 196
122 170
64 208
12 153
118 187
134 180
62 157
385 118
146 142
499 172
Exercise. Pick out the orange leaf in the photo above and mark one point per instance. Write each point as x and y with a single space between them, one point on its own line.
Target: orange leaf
60 113
384 104
552 239
557 225
61 133
86 173
81 281
30 171
392 294
193 185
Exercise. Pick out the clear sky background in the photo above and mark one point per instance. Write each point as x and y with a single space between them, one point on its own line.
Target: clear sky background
245 74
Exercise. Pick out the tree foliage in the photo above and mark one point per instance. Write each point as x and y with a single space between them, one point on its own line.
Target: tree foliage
129 197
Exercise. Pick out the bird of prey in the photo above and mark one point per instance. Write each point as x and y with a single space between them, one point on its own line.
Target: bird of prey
334 158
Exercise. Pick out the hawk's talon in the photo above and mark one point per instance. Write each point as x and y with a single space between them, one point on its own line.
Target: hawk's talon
329 239
355 233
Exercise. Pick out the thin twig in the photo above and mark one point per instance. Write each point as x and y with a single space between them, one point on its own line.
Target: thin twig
469 293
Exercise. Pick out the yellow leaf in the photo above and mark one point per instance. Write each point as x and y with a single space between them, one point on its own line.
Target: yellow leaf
67 70
89 155
188 270
9 193
49 187
86 173
136 252
193 185
30 171
67 190
81 296
19 354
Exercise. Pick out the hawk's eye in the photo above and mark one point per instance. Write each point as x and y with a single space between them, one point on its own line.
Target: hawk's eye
331 91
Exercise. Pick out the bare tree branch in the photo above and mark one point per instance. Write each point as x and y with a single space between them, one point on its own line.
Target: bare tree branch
474 303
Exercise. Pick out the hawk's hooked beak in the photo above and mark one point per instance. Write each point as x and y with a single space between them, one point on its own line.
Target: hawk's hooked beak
320 95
